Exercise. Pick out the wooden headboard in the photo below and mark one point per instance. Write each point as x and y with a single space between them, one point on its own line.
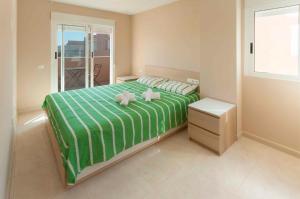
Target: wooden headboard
171 73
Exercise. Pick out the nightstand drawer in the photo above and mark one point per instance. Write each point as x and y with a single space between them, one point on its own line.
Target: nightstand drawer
204 120
204 137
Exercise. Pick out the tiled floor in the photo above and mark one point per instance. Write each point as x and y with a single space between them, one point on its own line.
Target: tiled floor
174 168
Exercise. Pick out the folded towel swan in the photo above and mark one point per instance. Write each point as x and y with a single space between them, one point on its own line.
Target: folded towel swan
125 97
150 95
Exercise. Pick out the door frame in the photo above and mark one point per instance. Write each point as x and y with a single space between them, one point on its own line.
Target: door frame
77 20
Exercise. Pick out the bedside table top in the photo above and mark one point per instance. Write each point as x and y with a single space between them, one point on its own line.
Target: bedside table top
125 78
212 106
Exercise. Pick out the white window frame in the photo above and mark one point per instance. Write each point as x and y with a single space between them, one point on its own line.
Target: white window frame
252 6
77 20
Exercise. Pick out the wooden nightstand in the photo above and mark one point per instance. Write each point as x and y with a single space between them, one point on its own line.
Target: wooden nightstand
212 123
123 79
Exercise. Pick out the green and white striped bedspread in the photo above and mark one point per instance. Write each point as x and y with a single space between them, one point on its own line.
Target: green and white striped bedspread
91 127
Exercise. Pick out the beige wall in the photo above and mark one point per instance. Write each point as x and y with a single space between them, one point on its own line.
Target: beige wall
34 47
219 50
168 36
33 50
7 69
196 35
271 110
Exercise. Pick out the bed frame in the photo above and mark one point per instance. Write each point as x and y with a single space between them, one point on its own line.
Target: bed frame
171 73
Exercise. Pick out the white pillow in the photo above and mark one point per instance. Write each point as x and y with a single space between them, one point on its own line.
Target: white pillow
151 81
178 87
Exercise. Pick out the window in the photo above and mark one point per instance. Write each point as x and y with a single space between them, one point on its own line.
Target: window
272 48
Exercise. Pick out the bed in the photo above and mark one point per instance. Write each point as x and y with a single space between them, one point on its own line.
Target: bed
90 131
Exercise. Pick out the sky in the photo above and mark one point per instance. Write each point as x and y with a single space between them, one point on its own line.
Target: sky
74 36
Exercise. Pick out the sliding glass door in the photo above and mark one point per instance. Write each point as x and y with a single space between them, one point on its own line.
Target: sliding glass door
82 56
101 57
72 57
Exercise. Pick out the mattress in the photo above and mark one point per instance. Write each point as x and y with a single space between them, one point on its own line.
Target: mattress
91 127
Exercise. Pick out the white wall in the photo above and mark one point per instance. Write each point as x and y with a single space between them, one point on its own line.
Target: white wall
7 70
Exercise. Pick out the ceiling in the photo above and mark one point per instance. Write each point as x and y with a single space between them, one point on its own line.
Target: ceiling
122 6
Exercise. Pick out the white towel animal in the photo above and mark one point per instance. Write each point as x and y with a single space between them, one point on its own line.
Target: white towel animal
150 95
125 97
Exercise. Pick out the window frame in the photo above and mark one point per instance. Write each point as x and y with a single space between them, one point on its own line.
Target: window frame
251 7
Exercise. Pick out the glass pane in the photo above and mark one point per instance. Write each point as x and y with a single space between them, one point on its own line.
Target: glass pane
90 58
101 58
59 44
277 41
74 57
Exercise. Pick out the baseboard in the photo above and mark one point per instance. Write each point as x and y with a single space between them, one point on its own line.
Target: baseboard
273 144
239 134
29 109
10 175
10 191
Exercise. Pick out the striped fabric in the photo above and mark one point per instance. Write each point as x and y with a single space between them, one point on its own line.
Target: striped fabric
151 81
178 87
91 127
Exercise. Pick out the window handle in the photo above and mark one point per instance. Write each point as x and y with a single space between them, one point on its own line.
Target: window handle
55 55
251 48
